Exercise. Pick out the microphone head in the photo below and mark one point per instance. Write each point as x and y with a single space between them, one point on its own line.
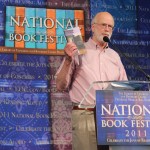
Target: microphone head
106 39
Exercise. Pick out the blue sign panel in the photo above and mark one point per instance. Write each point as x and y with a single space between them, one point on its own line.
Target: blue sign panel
123 117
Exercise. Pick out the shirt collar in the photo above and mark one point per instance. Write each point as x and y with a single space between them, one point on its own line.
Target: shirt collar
96 45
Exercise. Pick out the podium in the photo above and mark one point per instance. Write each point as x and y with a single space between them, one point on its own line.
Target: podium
122 113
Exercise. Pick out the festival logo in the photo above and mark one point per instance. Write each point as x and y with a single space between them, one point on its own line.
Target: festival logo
39 30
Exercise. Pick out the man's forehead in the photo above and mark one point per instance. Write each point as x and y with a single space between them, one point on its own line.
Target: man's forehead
104 19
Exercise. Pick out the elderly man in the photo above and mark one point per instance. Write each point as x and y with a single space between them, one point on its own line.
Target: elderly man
99 63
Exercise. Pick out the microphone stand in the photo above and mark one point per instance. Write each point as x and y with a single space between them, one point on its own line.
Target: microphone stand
106 39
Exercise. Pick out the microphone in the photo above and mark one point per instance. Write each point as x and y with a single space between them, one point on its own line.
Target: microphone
106 39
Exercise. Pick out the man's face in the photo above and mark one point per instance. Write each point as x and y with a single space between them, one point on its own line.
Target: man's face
103 26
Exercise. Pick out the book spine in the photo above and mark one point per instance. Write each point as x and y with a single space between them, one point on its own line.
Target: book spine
19 30
70 16
9 29
60 16
79 20
40 28
30 31
51 32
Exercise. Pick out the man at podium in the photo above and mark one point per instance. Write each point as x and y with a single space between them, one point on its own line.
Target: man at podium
99 63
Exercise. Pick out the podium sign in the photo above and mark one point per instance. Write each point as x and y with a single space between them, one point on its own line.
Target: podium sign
123 117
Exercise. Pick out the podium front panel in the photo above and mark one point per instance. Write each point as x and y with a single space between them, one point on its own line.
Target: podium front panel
123 117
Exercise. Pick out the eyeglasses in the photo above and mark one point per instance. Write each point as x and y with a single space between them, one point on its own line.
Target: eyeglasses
104 25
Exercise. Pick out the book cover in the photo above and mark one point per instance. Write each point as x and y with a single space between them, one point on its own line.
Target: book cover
29 12
74 35
10 11
60 29
19 30
40 29
69 18
51 32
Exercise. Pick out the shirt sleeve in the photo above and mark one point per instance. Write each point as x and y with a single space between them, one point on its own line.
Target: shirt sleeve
64 74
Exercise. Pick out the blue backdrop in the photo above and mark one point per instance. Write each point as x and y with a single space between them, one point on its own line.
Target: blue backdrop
131 31
27 87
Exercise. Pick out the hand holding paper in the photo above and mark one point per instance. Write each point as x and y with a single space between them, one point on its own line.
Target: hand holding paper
74 35
75 45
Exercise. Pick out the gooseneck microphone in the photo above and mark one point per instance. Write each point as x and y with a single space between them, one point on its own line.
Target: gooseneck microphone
106 39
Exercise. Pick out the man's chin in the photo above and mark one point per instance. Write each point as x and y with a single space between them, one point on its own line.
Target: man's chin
101 40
